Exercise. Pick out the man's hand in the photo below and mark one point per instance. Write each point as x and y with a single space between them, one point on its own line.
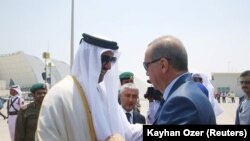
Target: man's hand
115 137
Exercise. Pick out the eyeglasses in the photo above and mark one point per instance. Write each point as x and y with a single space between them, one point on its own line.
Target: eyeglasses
245 82
146 64
106 59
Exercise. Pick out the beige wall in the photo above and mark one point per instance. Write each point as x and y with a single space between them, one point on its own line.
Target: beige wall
231 80
2 84
4 93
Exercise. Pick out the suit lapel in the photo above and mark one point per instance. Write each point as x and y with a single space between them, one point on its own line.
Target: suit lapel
177 84
134 117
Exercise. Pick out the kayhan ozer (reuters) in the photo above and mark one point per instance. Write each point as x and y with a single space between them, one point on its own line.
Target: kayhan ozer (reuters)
188 132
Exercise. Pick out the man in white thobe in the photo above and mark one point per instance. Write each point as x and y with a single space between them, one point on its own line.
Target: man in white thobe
211 94
64 116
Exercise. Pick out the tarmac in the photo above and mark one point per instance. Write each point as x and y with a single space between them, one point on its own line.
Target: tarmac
226 118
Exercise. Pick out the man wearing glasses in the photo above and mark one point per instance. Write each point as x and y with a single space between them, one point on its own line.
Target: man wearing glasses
243 110
84 106
183 102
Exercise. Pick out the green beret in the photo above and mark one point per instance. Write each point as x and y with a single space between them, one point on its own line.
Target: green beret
126 75
38 86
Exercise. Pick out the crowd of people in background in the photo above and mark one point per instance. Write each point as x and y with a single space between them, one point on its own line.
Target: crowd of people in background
84 106
225 97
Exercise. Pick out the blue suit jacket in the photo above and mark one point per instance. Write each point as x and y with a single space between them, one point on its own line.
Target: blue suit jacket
185 104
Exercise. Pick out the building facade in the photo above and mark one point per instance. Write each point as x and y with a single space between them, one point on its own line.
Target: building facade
26 70
226 82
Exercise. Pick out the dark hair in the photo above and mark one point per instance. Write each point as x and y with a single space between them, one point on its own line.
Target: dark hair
245 73
152 92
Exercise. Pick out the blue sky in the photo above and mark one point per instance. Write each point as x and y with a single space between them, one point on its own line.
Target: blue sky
216 33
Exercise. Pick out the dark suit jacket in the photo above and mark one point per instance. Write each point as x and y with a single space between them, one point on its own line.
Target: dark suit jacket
138 118
185 104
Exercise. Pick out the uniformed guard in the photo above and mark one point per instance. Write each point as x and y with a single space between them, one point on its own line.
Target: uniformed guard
14 104
126 77
26 122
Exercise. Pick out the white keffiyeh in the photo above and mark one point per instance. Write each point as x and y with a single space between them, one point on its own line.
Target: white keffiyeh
206 82
107 115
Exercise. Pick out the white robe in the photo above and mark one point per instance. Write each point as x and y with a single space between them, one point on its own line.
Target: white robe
18 104
62 116
206 82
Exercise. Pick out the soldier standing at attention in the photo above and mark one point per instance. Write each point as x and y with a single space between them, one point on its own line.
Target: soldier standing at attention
26 122
15 103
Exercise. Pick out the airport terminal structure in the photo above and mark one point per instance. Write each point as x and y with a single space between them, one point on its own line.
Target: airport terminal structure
26 70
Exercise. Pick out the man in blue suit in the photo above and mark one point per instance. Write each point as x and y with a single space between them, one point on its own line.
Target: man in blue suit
183 102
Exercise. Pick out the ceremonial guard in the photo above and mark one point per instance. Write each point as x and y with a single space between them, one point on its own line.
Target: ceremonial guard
15 103
26 122
126 77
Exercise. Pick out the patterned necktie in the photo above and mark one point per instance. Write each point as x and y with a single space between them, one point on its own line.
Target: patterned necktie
128 116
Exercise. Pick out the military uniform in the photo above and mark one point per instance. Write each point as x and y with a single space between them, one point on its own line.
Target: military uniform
126 77
26 122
